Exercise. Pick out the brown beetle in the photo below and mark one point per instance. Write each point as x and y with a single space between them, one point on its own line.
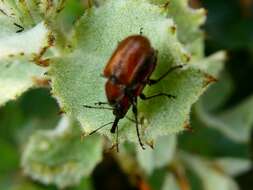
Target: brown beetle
128 72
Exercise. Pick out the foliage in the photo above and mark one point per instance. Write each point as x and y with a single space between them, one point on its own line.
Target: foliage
56 51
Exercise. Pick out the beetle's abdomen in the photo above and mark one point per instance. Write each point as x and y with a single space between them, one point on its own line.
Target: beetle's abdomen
129 59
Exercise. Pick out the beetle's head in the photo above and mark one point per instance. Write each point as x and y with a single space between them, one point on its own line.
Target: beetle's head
121 107
119 111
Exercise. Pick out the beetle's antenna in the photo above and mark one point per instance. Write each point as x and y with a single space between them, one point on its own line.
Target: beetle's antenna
96 107
100 128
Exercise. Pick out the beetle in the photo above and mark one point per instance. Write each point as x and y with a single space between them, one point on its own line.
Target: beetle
127 72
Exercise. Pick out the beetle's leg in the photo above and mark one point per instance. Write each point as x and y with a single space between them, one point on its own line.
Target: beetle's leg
143 97
135 111
154 81
96 107
130 119
117 138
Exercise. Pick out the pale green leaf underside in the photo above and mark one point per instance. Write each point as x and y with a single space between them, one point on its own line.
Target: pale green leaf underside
16 76
236 123
158 157
76 78
213 64
29 42
170 183
224 87
233 166
17 50
59 156
188 22
28 13
212 178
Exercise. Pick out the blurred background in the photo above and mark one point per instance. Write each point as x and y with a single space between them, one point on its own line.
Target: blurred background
229 27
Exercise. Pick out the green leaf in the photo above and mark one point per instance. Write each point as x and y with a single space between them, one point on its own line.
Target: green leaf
235 122
51 8
21 183
230 27
24 30
59 156
233 166
170 183
17 50
188 22
213 64
224 87
86 184
29 13
29 42
76 77
211 176
17 76
158 157
9 158
210 142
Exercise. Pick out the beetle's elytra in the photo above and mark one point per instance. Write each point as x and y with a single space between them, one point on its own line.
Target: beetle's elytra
128 71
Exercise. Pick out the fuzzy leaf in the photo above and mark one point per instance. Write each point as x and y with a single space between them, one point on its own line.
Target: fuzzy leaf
59 156
158 157
16 76
76 77
235 122
18 49
26 43
212 177
24 30
170 183
213 64
233 166
224 87
51 8
188 22
28 13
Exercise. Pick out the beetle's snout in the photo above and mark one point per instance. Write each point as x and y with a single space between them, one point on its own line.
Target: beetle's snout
118 111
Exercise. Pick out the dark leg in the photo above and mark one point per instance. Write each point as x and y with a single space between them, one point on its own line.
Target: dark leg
117 138
143 97
135 111
130 119
154 81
